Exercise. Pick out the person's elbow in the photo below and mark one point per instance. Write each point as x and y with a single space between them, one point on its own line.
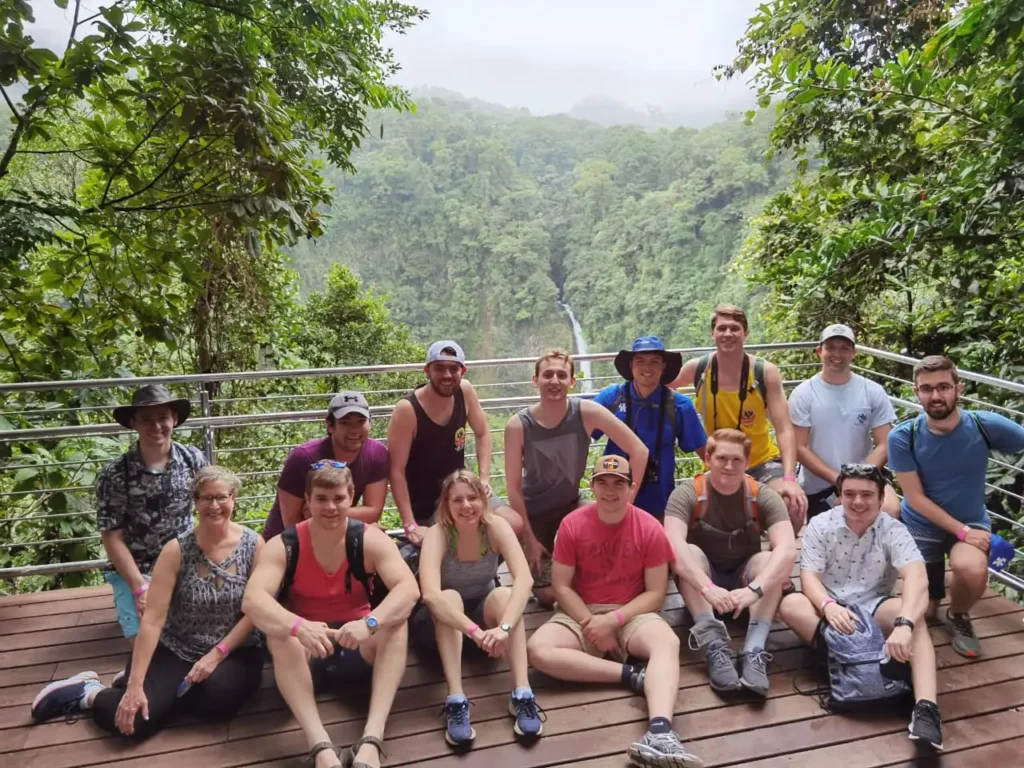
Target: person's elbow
524 580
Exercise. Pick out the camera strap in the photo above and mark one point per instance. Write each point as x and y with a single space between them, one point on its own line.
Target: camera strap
661 416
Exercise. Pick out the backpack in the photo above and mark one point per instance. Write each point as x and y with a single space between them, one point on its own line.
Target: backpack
854 664
624 395
920 418
376 589
759 382
750 505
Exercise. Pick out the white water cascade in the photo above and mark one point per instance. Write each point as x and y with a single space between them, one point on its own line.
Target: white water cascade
581 349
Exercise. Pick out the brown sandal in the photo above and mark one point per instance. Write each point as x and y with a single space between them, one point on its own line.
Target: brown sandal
348 757
316 749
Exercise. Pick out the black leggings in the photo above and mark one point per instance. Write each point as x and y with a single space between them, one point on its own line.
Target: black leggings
218 697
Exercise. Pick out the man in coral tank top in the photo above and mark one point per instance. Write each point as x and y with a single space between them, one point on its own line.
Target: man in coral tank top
323 632
610 574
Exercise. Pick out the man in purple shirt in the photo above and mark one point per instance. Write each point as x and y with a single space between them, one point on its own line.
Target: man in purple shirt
348 440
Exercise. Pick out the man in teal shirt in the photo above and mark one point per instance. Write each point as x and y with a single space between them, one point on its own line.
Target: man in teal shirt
941 460
661 417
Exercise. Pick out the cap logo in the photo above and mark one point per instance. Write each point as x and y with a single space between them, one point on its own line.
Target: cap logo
611 463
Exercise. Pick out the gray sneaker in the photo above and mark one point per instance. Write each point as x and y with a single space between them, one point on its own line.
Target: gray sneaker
965 642
662 750
754 671
713 638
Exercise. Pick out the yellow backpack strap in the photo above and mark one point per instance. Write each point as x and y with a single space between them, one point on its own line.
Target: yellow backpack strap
753 512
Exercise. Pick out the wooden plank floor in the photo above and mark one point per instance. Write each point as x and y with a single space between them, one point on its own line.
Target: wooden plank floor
48 636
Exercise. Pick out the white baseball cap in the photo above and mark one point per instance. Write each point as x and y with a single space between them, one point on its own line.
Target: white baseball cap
837 330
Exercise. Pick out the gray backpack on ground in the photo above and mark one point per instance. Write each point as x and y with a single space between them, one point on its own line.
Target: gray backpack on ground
855 674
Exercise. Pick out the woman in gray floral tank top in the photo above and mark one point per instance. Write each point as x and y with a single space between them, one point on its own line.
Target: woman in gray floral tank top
195 651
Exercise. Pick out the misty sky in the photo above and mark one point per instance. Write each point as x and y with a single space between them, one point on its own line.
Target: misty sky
547 55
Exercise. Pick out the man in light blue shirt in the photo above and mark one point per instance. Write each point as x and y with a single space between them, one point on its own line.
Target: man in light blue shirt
660 417
941 460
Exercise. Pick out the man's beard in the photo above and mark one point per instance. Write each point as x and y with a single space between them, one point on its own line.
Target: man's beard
945 411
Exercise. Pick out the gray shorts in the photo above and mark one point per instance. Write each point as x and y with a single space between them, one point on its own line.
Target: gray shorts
767 471
735 578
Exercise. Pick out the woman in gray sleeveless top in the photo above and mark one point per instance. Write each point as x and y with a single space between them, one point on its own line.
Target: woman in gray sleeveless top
458 569
195 651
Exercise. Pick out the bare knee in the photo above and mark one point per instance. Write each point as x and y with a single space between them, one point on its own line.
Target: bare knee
514 519
969 563
757 564
794 607
495 603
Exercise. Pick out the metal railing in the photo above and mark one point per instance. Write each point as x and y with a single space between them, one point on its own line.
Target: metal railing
221 435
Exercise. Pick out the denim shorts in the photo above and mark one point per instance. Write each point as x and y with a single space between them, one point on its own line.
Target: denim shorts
124 603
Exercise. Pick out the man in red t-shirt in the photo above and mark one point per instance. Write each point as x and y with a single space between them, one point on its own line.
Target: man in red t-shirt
609 575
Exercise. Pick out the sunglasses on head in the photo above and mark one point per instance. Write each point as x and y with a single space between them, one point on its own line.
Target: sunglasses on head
325 463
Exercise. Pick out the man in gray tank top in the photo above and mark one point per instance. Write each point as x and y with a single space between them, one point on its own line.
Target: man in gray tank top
547 447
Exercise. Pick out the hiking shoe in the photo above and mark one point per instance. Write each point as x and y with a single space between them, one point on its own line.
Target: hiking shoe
529 717
926 724
636 680
713 638
965 642
754 671
458 730
63 697
662 750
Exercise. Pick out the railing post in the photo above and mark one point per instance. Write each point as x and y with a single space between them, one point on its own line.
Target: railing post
209 444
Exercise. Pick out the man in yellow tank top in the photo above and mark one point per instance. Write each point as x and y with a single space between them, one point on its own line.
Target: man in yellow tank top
722 404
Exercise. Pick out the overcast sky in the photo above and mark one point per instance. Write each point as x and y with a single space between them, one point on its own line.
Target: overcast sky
547 55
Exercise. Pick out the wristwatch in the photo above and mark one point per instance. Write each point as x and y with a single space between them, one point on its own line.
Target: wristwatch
505 627
371 623
900 621
756 589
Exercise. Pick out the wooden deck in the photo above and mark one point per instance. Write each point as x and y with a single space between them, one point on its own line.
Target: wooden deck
48 636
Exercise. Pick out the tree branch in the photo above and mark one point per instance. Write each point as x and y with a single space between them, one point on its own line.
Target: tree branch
10 104
153 181
126 158
74 26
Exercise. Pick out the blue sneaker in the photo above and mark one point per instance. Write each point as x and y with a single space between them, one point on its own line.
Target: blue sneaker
529 717
62 697
458 731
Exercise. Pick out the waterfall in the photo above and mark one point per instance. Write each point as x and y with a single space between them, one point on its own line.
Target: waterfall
581 349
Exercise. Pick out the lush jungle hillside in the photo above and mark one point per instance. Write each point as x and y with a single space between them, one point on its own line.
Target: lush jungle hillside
478 220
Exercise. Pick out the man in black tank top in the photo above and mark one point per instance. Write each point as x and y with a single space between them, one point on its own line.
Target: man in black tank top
427 439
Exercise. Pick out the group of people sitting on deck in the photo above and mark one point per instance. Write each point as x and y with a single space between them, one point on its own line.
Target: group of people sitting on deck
334 601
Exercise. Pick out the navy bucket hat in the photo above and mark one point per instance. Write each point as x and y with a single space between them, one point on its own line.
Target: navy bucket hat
673 360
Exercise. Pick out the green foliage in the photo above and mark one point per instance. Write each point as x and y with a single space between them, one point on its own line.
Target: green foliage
911 225
476 222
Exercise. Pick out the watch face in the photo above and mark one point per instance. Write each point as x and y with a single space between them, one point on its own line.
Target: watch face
506 628
372 622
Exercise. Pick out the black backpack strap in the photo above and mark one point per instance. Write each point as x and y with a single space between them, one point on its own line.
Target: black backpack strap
290 539
698 372
744 385
981 429
354 552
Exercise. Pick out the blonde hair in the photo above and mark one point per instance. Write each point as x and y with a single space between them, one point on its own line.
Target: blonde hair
555 354
727 436
215 474
329 477
445 519
730 311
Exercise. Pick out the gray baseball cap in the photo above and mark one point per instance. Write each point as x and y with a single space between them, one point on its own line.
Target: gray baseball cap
345 403
837 330
437 352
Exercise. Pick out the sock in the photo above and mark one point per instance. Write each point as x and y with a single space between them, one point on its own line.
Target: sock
703 616
659 725
628 670
456 698
757 634
89 695
522 693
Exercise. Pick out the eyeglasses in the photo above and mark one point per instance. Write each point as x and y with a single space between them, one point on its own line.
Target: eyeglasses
210 500
928 389
325 463
862 471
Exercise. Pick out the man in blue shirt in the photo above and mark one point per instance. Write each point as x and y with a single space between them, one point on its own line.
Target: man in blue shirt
660 416
941 460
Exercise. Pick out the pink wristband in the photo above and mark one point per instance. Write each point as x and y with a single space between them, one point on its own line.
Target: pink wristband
707 586
962 533
295 627
619 618
825 604
141 590
790 478
223 649
472 631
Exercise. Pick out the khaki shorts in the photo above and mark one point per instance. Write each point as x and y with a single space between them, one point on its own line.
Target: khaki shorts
625 633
